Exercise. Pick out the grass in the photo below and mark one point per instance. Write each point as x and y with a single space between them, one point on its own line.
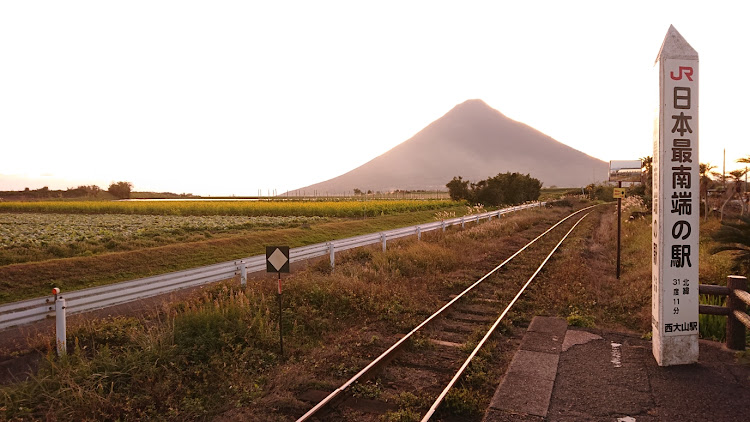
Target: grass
210 350
712 327
551 194
217 353
586 292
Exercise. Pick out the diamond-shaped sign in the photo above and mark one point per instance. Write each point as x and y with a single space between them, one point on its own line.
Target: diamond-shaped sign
277 259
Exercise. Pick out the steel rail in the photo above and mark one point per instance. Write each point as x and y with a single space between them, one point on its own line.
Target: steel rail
383 356
38 309
479 345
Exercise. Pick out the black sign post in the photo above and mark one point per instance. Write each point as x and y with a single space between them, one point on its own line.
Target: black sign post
277 261
623 171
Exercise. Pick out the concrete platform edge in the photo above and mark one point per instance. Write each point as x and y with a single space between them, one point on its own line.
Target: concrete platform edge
526 389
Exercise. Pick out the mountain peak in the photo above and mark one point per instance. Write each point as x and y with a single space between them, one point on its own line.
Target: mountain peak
476 102
475 141
475 107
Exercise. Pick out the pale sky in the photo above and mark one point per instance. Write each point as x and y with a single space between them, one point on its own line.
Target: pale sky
229 97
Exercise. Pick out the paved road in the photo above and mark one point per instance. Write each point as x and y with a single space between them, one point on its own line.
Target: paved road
562 374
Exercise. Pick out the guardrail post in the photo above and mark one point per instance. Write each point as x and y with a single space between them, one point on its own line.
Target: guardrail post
60 323
463 223
442 224
419 233
382 239
243 274
735 328
332 254
477 219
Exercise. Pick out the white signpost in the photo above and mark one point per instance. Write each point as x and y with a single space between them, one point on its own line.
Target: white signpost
676 206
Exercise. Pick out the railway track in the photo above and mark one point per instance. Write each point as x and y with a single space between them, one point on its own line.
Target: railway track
446 337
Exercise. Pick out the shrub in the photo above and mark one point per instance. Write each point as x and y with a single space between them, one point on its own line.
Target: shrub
505 188
120 189
600 192
735 237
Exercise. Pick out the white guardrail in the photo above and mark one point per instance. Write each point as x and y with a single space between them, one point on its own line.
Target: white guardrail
33 310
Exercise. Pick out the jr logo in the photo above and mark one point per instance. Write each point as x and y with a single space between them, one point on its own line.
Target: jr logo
688 71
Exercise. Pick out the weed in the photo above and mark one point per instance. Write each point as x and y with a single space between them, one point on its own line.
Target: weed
418 341
713 327
116 333
410 406
575 319
401 415
367 390
477 374
343 370
462 402
408 400
415 259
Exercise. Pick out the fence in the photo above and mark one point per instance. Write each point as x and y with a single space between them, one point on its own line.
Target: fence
33 310
737 301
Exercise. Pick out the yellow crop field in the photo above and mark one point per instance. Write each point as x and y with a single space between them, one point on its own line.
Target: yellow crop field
282 208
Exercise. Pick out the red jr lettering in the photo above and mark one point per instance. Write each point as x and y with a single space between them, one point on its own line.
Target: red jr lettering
688 73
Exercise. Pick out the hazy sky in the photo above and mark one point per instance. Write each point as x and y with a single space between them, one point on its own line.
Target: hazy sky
225 97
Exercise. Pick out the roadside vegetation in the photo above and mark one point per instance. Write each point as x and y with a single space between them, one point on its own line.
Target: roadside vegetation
216 353
585 288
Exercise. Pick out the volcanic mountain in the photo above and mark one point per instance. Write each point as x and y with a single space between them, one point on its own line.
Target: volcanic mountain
474 141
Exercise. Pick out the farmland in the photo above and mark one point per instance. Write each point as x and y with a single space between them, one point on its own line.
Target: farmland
281 208
31 236
34 231
77 244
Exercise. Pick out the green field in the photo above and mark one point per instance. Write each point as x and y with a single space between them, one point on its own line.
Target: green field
28 237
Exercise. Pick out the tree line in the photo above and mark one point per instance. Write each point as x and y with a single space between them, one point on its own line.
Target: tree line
503 189
120 190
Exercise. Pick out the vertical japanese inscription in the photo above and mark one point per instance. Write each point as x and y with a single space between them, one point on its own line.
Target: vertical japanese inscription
676 207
